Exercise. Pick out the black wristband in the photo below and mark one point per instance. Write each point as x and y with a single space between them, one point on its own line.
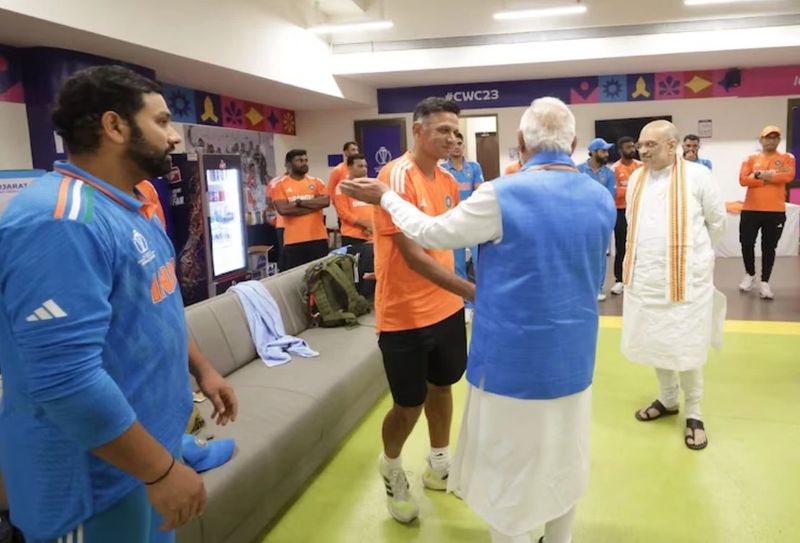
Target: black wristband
164 475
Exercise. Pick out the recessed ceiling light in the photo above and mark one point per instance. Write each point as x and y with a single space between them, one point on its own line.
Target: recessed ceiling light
542 12
713 2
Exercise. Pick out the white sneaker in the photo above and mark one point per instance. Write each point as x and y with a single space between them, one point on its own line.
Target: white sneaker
617 288
601 297
766 292
435 479
399 502
747 283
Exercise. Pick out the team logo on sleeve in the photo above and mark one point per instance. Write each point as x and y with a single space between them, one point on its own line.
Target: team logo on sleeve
448 201
312 187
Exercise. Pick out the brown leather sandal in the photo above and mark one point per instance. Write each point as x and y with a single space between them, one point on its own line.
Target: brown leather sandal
658 406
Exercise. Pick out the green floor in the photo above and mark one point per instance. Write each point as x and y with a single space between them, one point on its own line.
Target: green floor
646 486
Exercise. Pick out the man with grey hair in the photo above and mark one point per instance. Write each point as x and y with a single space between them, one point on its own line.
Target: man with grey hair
523 454
672 312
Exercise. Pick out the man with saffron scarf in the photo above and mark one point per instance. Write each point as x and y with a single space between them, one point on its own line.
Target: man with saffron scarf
671 310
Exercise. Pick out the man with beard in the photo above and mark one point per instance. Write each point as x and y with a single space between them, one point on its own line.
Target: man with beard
622 168
93 330
596 168
691 150
300 199
342 170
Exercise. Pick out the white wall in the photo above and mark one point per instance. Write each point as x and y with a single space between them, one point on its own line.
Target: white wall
15 147
736 125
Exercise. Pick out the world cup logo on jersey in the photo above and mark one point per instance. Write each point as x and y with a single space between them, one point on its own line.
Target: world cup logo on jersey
140 242
383 156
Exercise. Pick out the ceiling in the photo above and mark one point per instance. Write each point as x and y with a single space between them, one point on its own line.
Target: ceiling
421 25
425 19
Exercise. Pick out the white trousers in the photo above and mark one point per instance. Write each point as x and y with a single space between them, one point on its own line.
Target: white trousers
558 530
691 382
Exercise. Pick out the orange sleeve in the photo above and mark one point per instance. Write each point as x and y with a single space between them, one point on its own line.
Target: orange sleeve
278 193
321 189
333 180
342 204
787 171
745 174
381 219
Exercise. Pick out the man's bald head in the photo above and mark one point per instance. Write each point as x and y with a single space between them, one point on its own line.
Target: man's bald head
663 129
657 144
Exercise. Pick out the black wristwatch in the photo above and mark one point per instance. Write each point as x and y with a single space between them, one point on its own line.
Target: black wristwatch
757 175
297 203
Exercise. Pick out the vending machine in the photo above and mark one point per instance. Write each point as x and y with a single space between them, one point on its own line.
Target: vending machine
226 255
207 219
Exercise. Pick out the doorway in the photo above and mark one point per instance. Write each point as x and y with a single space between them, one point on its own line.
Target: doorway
481 143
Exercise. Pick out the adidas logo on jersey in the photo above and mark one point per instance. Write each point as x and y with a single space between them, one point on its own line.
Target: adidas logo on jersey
47 311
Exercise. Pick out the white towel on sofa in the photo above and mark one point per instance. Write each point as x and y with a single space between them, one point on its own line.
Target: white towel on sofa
266 326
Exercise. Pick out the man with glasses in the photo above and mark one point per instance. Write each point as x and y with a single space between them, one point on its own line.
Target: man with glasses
765 175
671 311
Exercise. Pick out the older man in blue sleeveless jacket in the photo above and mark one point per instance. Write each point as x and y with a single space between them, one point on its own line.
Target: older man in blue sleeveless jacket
523 454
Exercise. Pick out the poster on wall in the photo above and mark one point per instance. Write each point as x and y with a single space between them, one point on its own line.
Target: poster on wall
257 151
13 181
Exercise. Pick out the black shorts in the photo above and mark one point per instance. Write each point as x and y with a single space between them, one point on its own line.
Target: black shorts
298 254
435 354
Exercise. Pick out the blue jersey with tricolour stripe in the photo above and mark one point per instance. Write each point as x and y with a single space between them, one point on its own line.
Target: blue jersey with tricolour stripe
93 338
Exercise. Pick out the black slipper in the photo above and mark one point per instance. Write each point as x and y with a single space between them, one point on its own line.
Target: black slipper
694 424
658 406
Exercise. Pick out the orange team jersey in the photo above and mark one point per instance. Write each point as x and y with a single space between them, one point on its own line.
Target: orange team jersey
279 220
621 175
150 196
351 210
762 196
302 228
404 299
513 168
337 174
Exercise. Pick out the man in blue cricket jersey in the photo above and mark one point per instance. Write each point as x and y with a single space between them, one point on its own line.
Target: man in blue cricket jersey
596 168
468 175
95 348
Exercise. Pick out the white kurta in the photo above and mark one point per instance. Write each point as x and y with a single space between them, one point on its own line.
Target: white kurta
519 463
655 331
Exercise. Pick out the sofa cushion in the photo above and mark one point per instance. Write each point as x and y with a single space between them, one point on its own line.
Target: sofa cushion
349 363
275 428
220 329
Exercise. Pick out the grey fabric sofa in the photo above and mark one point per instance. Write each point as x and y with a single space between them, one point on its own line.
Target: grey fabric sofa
292 418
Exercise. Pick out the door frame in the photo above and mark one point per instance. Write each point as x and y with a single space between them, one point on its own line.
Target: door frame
791 103
496 130
400 122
